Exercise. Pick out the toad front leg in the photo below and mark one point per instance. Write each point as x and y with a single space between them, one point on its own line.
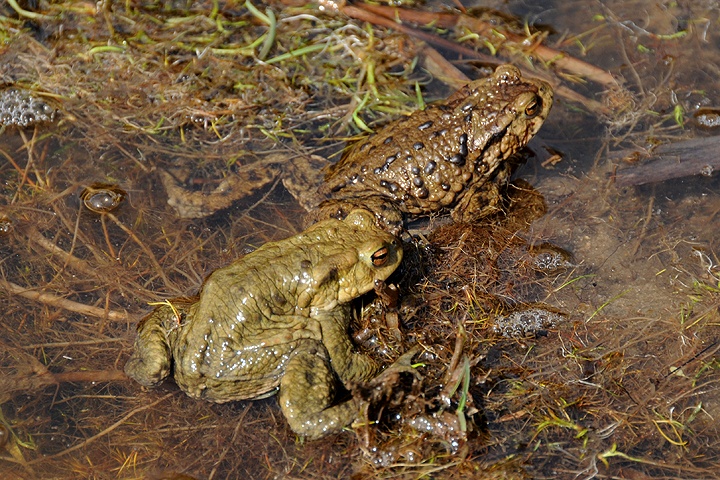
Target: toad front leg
307 388
477 203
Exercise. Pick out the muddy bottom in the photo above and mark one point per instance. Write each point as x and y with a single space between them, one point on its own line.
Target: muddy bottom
571 334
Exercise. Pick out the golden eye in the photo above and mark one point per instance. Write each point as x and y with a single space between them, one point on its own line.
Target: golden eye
533 107
380 257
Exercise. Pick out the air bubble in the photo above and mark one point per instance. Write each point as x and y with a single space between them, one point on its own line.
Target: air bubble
102 197
526 323
23 110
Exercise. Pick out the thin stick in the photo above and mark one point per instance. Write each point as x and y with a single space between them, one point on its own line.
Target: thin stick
17 167
74 237
111 250
91 376
78 264
30 148
449 20
55 301
71 344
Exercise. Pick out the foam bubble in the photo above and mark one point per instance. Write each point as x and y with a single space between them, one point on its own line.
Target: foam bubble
22 109
526 323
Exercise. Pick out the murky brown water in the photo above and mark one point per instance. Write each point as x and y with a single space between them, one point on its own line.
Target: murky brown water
625 387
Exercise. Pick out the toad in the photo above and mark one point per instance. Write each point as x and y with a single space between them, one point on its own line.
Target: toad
449 157
275 321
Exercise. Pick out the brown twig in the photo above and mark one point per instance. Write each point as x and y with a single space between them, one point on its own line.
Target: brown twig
558 58
69 259
16 167
30 148
389 17
460 340
64 303
103 224
369 15
33 346
90 376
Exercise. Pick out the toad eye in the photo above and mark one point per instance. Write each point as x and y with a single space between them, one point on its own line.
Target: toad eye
380 257
533 108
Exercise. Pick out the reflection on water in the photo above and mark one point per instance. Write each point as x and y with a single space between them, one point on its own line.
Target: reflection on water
625 382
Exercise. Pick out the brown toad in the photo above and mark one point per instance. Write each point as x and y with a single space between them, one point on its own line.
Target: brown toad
448 156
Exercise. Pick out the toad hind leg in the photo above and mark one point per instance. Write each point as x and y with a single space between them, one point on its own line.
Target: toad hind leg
150 361
157 332
477 204
307 390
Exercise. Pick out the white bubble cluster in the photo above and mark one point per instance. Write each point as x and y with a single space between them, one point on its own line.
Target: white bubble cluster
21 109
549 261
526 323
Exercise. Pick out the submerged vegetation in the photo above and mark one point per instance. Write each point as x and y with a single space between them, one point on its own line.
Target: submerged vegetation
623 382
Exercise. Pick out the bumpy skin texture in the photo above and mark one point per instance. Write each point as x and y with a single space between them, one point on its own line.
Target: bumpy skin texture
448 156
276 318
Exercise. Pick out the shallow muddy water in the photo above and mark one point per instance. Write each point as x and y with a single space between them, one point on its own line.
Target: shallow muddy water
198 95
